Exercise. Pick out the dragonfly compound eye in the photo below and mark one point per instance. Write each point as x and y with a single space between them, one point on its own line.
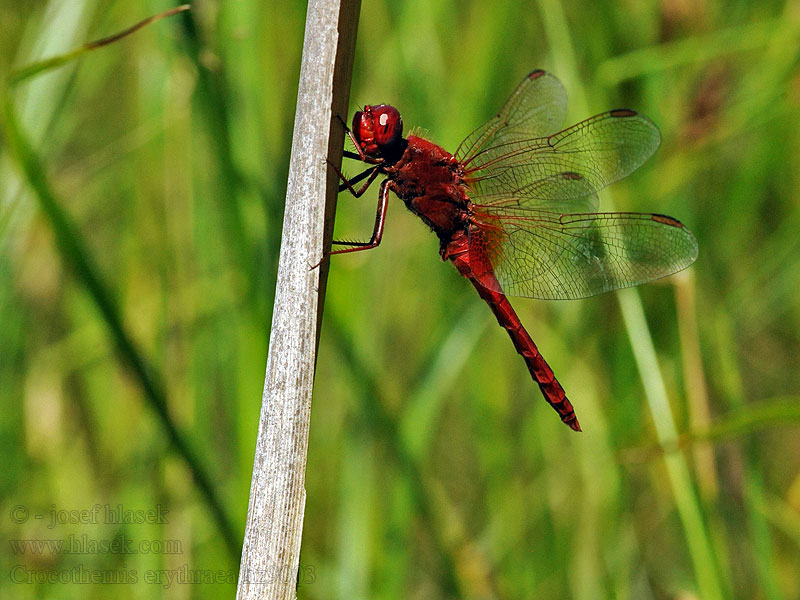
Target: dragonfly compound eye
377 128
387 124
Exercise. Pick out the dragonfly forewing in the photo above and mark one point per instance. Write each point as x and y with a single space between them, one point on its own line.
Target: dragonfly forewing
536 108
602 150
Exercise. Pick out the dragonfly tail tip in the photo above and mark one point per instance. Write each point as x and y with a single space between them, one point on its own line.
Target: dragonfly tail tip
573 424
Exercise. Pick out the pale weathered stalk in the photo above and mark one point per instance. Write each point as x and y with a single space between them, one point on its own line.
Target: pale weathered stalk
271 551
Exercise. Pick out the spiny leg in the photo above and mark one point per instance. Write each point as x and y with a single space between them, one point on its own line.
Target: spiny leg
377 232
347 184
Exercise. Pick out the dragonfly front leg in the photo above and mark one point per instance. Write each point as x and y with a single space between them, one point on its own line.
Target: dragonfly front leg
347 184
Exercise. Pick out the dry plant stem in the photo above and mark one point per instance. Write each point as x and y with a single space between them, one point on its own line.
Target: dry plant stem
695 384
271 551
56 61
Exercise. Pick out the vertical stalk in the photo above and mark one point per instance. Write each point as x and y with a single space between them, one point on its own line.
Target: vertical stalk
271 551
686 501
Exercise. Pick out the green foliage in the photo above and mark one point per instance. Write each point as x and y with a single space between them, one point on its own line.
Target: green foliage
140 212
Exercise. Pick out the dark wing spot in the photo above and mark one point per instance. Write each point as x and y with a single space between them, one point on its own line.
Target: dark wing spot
667 221
535 74
623 112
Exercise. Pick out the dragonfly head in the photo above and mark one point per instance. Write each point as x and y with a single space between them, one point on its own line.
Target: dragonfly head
378 130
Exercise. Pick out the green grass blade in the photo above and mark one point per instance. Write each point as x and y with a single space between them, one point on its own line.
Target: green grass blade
54 62
686 499
687 502
76 256
696 49
750 418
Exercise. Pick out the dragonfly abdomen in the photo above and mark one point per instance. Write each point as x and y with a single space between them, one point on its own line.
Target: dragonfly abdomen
482 277
525 346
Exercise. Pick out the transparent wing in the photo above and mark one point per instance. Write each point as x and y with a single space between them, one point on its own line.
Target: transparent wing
534 199
565 192
536 108
600 150
539 254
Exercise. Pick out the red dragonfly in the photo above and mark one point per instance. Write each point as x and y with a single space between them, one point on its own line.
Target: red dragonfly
515 207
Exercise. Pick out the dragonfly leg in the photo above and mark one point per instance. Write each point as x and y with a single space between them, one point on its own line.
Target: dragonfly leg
377 232
347 184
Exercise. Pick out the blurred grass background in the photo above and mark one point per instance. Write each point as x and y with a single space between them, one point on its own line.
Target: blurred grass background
435 468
